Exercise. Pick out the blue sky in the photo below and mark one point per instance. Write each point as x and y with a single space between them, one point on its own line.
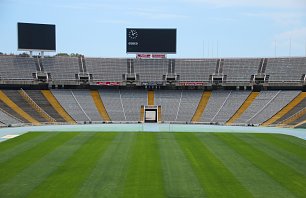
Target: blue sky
237 28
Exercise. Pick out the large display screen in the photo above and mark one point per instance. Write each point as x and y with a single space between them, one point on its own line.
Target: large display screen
150 40
36 37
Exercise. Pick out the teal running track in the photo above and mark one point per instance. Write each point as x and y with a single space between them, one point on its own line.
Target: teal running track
6 133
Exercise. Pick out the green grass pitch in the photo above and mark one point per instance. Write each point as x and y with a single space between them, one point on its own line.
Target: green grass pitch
73 164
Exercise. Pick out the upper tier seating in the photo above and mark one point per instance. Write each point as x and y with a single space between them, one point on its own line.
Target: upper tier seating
61 68
240 70
17 68
195 69
148 70
106 69
286 69
151 69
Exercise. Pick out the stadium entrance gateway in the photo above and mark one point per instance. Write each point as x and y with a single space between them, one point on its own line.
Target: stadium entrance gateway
151 114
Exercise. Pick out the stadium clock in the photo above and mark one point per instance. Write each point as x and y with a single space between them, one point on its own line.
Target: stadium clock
133 34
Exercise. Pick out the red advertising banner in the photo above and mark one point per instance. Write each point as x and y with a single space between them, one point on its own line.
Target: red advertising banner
108 83
143 56
148 56
158 55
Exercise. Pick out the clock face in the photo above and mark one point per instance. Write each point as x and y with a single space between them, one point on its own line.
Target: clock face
133 34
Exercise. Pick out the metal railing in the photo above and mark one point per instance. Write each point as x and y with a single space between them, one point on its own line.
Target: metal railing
294 117
35 106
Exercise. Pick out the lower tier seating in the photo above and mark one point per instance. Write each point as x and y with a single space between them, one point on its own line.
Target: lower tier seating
124 105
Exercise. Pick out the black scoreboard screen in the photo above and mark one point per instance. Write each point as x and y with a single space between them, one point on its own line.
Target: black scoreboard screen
150 40
33 36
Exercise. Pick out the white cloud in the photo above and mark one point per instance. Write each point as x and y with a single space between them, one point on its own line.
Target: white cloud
113 21
85 6
155 14
282 18
160 15
222 19
296 36
254 3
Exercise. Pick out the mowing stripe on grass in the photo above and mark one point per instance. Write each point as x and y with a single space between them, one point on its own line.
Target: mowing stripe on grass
12 167
216 179
254 179
67 179
284 145
144 178
37 172
179 178
287 177
293 140
107 178
277 152
29 142
11 143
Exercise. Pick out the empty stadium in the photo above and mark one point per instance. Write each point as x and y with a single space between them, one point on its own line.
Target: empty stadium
154 125
98 90
112 95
